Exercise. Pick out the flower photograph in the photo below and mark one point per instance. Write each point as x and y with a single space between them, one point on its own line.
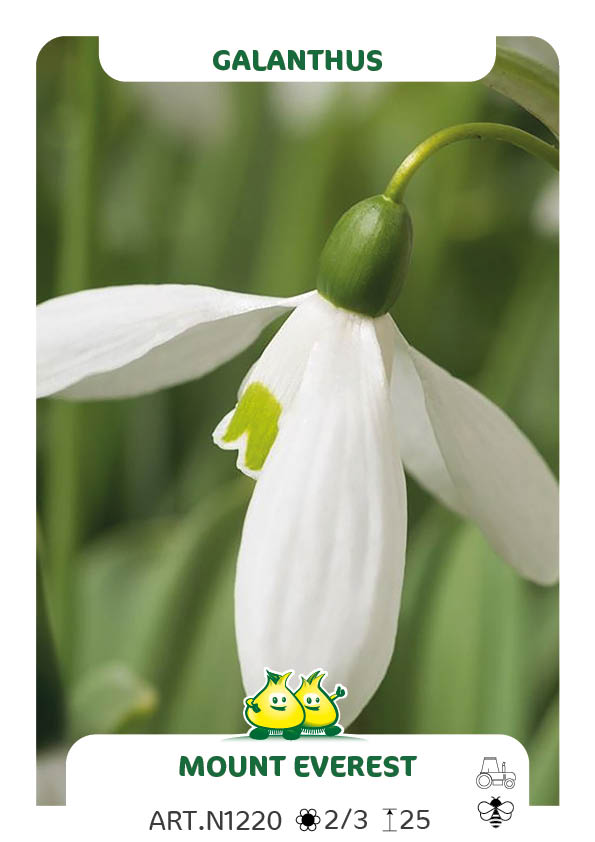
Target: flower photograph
297 380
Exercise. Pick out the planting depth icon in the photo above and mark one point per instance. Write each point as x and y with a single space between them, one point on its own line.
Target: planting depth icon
493 775
276 710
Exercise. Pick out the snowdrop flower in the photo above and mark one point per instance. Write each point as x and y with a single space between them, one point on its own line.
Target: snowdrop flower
326 420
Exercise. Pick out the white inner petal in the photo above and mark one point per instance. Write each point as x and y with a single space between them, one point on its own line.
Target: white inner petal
280 370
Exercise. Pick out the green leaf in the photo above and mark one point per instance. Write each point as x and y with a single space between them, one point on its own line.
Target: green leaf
455 673
529 83
142 590
119 579
475 655
206 693
393 708
544 754
109 699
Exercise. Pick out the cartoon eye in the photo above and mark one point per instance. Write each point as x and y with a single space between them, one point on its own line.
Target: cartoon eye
317 699
274 700
309 700
283 698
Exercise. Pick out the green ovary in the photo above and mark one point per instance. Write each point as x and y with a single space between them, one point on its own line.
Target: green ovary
257 415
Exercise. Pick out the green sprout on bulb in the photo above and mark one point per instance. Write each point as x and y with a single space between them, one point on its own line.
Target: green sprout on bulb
327 420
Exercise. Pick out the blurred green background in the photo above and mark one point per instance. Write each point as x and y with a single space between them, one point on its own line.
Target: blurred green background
237 186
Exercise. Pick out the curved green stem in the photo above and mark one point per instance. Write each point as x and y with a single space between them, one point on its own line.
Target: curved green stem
467 131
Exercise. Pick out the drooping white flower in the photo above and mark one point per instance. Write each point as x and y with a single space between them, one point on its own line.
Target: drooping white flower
325 421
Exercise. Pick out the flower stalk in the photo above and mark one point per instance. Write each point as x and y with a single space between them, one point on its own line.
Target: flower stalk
467 131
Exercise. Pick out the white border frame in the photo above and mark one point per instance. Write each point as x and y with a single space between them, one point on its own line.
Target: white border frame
428 27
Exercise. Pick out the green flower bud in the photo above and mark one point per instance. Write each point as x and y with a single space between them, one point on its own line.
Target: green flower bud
365 259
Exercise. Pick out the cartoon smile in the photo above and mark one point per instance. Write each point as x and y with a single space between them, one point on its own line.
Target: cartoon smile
278 707
312 707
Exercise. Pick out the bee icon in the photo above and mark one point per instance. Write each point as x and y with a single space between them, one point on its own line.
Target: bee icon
495 811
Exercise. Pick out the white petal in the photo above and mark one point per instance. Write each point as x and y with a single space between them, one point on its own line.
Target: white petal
321 561
501 480
122 341
278 375
419 449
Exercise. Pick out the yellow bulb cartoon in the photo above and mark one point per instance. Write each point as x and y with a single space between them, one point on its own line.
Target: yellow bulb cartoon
274 709
321 712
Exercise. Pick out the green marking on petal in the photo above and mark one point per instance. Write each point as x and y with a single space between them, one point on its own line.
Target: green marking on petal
257 414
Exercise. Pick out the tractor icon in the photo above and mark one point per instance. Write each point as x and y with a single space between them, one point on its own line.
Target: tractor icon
491 774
